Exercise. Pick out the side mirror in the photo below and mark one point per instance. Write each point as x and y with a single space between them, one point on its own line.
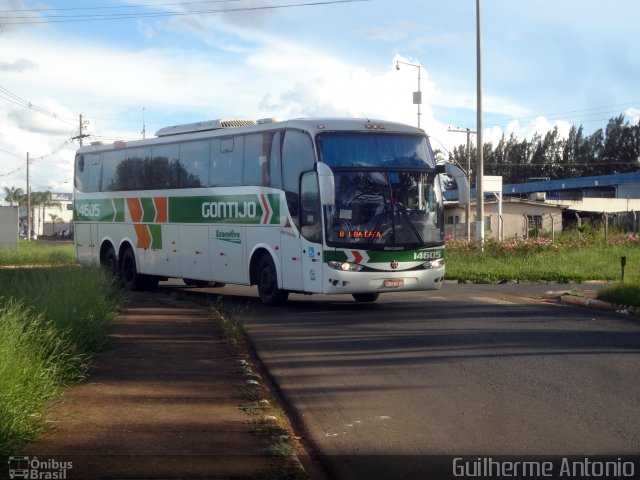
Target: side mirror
460 178
326 184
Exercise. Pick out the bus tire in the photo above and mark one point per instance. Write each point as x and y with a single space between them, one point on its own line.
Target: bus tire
365 297
267 282
109 262
191 282
131 278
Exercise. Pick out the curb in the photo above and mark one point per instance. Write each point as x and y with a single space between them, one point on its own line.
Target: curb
598 304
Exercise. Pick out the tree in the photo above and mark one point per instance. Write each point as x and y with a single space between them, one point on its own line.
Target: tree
55 219
42 201
615 149
12 195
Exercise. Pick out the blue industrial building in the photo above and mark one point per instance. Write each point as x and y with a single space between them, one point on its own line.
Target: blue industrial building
619 185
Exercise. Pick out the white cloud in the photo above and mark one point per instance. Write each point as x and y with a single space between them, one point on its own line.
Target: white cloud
539 125
633 115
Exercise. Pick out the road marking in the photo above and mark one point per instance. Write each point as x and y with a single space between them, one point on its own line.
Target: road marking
495 301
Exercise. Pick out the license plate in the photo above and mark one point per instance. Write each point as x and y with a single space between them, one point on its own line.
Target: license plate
394 283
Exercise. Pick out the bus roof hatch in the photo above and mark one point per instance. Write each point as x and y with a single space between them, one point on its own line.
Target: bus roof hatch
203 126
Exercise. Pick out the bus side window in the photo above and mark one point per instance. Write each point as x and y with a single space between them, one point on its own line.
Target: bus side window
113 170
310 221
80 175
94 172
226 161
194 165
262 160
275 165
256 159
163 169
297 157
135 168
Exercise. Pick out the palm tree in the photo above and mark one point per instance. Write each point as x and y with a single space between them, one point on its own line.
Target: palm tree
13 195
42 201
55 219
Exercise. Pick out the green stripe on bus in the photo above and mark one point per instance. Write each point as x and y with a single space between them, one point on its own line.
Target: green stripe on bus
96 210
119 206
148 210
376 256
231 209
156 236
405 255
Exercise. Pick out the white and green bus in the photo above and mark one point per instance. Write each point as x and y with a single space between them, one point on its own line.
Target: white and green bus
330 206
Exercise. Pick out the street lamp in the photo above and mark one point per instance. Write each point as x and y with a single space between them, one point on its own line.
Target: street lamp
480 158
417 96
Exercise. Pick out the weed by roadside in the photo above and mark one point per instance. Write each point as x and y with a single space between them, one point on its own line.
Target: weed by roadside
36 253
570 258
266 418
51 322
624 293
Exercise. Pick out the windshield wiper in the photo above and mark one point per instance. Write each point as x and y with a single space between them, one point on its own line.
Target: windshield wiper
379 219
403 211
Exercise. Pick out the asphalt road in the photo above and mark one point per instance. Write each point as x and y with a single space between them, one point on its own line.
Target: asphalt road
467 370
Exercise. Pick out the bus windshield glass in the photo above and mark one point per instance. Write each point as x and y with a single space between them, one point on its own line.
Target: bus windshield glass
385 210
379 150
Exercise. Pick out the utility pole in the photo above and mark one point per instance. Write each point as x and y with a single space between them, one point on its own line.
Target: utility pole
479 159
144 127
467 207
81 135
28 203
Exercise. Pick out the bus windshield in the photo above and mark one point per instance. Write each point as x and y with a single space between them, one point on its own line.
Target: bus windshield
384 210
386 195
377 150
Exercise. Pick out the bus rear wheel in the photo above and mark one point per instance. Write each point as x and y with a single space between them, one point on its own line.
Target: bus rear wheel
131 278
110 262
365 297
268 289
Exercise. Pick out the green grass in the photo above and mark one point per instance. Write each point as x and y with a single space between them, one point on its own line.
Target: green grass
579 264
36 253
51 321
625 293
571 258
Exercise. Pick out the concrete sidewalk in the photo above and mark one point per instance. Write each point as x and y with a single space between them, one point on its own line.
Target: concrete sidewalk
159 404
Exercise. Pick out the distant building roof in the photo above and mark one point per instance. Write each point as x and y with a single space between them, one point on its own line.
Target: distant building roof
568 183
561 184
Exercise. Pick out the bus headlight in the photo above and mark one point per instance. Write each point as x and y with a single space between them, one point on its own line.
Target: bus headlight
345 266
430 265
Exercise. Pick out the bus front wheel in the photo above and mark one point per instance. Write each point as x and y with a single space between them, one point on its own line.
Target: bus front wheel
365 297
268 289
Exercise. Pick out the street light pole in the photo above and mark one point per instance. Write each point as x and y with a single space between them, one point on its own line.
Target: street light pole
479 159
417 96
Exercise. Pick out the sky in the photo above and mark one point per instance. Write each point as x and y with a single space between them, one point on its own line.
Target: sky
134 66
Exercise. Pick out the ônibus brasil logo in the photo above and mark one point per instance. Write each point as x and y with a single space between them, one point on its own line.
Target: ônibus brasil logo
34 468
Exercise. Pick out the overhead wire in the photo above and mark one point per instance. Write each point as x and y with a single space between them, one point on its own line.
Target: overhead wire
24 20
16 100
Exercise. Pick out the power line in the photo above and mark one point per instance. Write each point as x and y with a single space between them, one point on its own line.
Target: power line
568 114
112 7
16 100
24 20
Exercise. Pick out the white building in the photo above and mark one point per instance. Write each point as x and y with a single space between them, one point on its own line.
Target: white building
50 220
